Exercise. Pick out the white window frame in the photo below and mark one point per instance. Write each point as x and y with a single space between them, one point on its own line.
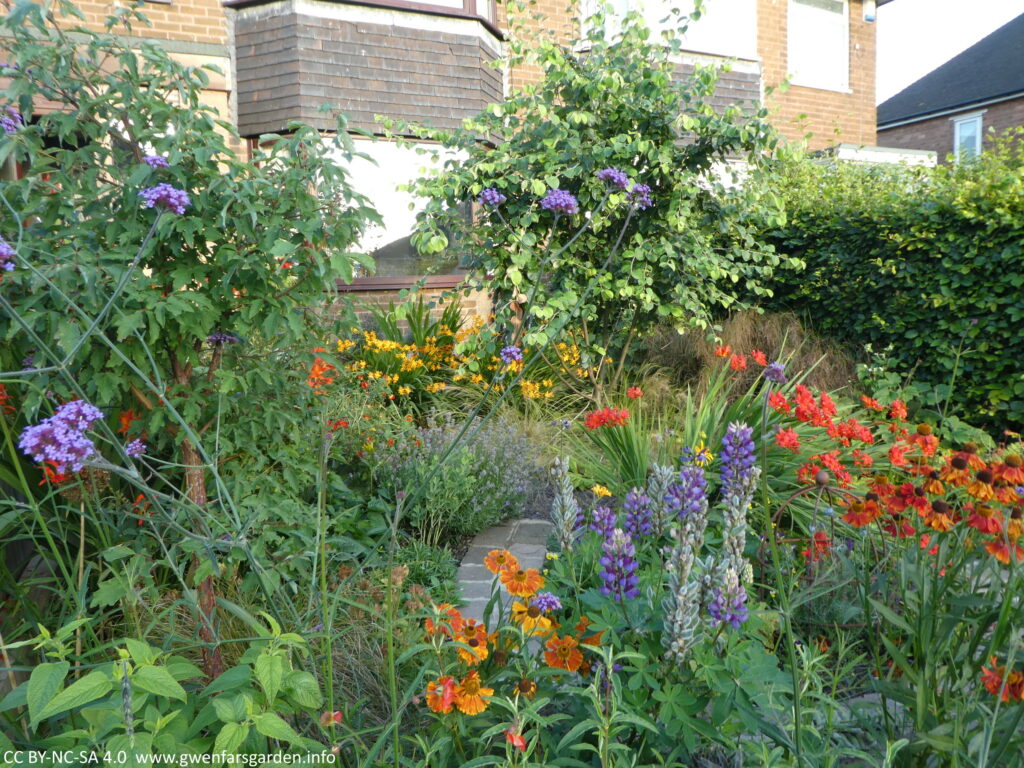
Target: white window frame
841 87
958 122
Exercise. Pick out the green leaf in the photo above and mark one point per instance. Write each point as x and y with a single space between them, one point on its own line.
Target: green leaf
272 726
303 688
159 681
43 684
269 669
230 737
91 687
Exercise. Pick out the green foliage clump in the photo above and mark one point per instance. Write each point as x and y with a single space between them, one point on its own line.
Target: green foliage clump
929 262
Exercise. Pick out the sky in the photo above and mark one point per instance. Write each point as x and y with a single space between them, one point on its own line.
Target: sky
916 36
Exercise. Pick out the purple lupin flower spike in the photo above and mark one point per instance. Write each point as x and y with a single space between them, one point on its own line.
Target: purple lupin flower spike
729 605
639 514
737 456
603 520
689 495
619 567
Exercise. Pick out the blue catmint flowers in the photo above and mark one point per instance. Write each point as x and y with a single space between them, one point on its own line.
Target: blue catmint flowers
603 521
492 197
776 372
688 496
614 176
639 514
737 455
11 120
61 438
165 196
640 196
547 602
619 567
560 201
135 448
729 604
7 256
156 161
511 354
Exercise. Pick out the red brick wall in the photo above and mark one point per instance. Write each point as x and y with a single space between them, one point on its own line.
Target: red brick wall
477 304
936 133
196 21
830 116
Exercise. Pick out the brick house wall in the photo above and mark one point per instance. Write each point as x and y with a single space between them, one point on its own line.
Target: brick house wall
831 116
936 133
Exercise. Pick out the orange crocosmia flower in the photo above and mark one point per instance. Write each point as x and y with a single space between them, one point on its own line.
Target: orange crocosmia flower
819 548
872 404
51 475
441 694
522 583
898 410
778 403
788 438
5 405
723 351
738 362
862 459
563 653
897 455
124 421
470 695
532 619
515 738
450 620
759 357
319 376
498 560
1001 551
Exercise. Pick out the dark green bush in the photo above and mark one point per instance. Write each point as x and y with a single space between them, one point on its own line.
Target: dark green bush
928 261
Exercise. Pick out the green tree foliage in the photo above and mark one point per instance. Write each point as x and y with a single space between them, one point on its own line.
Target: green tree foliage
609 101
930 262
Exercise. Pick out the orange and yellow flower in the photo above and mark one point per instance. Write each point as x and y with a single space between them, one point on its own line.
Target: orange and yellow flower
498 560
470 696
441 694
563 653
522 583
474 636
449 620
996 680
531 618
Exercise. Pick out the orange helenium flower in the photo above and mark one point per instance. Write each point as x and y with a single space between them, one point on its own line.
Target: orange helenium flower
498 560
522 583
474 635
994 678
563 653
532 619
441 694
985 519
469 696
1001 551
449 620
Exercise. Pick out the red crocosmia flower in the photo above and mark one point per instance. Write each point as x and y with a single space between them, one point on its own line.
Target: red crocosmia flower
828 407
759 357
125 420
738 362
819 548
898 455
51 475
862 459
1009 687
898 410
634 393
515 738
778 403
606 417
872 404
5 404
723 351
807 472
788 439
831 462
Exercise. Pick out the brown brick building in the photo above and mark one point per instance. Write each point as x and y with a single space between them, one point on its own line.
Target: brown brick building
958 109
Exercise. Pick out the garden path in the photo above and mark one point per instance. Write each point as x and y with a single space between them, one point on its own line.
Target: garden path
524 538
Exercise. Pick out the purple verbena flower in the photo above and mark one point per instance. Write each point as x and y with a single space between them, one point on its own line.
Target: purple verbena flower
737 455
729 606
7 256
165 196
135 448
639 513
156 161
11 120
776 372
219 337
511 354
640 196
614 176
619 567
61 438
689 495
547 602
603 521
560 201
29 361
492 197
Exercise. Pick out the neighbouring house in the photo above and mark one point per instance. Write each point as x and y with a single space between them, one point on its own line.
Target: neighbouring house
431 61
958 109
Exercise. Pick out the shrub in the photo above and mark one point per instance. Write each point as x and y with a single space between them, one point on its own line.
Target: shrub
928 262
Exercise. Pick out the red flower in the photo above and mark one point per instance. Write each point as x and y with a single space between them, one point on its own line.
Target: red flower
125 420
897 455
862 459
723 351
330 718
788 438
738 362
778 403
819 548
606 417
759 357
634 392
872 404
898 410
515 738
5 406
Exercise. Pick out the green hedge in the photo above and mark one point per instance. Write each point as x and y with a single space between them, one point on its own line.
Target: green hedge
926 260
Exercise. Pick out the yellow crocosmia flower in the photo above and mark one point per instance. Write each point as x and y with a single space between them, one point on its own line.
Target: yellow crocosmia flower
600 491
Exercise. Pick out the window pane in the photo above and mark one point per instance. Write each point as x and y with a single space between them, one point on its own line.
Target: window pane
968 133
818 48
